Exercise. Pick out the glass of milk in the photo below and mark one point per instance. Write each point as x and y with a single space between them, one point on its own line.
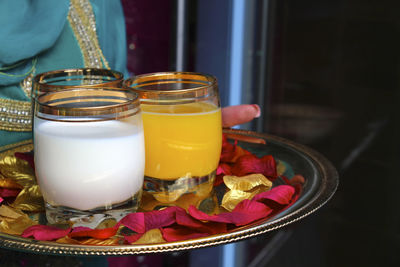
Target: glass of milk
89 154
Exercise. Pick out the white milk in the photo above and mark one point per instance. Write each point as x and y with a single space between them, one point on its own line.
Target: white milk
85 165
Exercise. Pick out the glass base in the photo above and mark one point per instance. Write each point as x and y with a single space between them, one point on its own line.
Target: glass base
59 215
168 191
208 204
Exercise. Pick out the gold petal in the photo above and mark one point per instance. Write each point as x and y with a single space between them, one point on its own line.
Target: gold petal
16 226
246 183
90 241
280 167
150 237
207 203
6 211
9 183
101 242
29 199
67 240
18 170
233 197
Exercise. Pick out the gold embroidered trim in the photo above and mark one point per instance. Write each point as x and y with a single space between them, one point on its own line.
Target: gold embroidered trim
15 115
22 146
26 84
83 24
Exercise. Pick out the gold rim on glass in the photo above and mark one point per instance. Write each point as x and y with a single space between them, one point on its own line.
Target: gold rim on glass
74 78
94 103
168 86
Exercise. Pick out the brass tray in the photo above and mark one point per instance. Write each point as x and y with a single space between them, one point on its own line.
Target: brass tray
321 183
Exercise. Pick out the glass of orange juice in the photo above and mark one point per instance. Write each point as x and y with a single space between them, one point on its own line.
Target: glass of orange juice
183 132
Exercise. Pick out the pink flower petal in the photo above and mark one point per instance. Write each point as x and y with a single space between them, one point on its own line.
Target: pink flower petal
140 222
45 232
245 212
161 218
184 219
180 233
134 221
281 194
224 168
6 192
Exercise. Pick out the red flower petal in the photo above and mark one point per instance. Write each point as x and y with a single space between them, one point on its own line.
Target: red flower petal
230 152
45 232
249 164
184 219
224 168
245 212
281 194
140 222
134 221
161 218
298 188
297 179
28 156
227 150
180 233
6 192
95 233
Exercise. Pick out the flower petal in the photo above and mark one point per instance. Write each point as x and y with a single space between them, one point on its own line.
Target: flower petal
133 238
161 218
5 192
178 233
95 233
245 212
45 232
140 222
281 194
184 219
27 156
230 152
249 164
224 168
134 221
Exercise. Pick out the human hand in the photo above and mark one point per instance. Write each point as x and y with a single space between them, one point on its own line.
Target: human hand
239 114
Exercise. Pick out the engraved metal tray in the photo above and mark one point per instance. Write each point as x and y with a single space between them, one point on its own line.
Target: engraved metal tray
321 183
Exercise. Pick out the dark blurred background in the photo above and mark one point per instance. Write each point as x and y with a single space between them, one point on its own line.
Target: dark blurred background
326 74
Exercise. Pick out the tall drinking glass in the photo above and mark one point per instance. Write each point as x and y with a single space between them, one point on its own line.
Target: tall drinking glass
89 154
183 132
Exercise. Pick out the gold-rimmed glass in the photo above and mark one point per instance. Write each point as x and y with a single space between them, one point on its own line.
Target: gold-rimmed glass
65 79
183 132
89 154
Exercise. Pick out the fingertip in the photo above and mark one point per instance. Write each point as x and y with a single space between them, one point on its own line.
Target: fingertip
257 110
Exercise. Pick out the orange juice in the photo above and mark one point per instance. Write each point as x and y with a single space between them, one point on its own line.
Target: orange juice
181 140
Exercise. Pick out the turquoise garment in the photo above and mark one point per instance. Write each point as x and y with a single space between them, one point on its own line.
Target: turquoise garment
37 36
28 28
112 33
